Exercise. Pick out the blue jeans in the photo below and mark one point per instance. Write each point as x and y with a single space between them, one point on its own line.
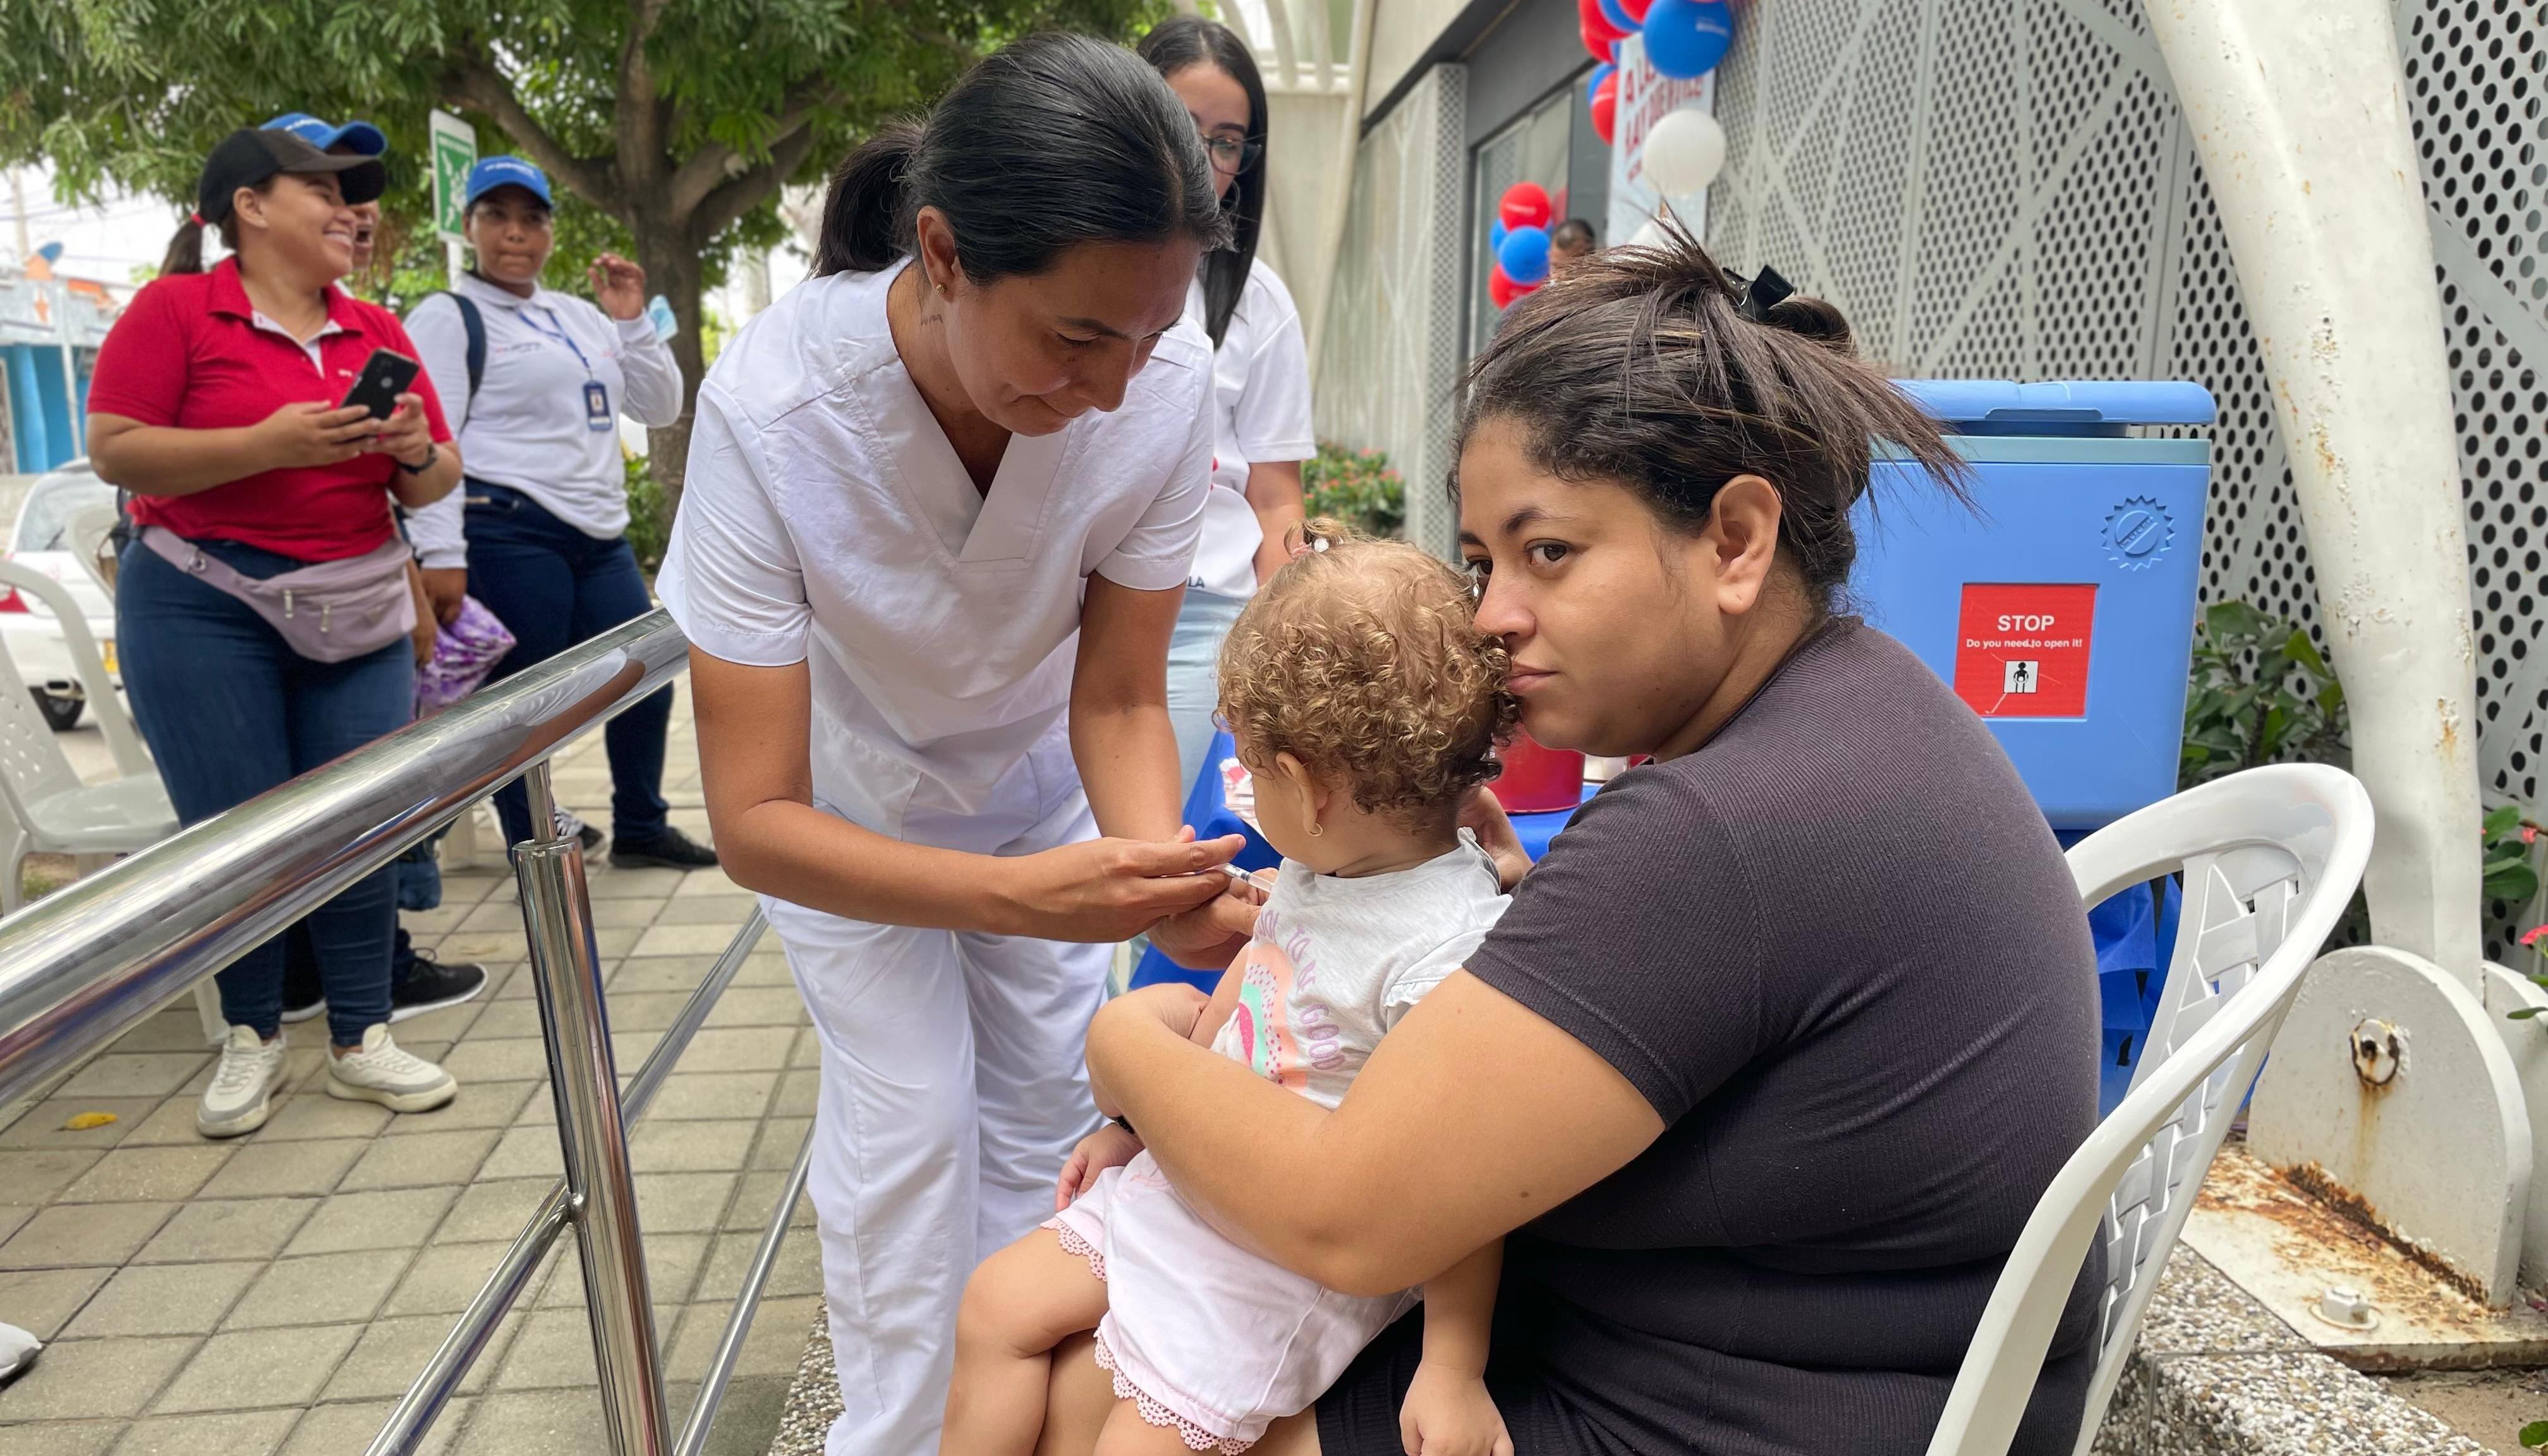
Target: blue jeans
229 710
553 587
1194 676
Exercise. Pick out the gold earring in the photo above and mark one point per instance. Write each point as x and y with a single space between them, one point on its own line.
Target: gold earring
1317 829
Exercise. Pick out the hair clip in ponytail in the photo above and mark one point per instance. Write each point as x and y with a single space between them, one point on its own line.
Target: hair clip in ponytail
1765 292
197 220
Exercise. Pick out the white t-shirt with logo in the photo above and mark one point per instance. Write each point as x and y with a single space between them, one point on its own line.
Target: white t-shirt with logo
1335 962
1260 410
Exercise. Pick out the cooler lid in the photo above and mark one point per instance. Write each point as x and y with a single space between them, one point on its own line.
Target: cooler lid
2060 408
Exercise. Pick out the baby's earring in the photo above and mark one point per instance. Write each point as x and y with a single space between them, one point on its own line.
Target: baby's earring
1317 829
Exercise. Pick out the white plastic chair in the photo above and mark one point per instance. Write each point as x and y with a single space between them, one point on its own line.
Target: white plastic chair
49 809
87 529
2270 859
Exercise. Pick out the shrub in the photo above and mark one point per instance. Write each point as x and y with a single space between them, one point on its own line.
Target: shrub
1356 487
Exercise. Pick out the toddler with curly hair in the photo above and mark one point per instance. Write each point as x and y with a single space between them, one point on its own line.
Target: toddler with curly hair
1366 705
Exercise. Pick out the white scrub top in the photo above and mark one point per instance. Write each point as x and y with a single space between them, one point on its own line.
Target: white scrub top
1260 410
826 520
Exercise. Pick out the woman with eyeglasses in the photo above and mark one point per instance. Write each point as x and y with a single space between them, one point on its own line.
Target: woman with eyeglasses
1260 406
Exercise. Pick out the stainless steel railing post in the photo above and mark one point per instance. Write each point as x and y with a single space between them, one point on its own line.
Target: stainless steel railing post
557 918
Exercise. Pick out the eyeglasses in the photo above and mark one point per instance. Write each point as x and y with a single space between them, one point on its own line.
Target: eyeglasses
1230 155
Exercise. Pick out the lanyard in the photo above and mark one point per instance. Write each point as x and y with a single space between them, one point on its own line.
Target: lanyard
556 330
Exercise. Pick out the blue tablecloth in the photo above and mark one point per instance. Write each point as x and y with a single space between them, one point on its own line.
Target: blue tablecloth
1212 818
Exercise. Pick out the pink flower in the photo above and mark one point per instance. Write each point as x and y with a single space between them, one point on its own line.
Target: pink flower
2529 832
2533 936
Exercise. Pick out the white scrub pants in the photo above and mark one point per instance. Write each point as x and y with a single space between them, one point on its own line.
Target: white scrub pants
954 1084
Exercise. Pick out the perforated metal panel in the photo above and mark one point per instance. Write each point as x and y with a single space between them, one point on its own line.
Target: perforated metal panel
2005 188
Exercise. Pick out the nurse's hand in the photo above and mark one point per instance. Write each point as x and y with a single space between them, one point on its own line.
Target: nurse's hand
1107 889
1211 936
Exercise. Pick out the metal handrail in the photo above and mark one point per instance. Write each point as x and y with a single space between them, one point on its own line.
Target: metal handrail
85 964
82 966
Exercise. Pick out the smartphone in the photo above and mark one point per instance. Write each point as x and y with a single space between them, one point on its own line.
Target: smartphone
386 376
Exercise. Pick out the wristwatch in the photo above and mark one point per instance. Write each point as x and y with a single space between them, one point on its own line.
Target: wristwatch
432 452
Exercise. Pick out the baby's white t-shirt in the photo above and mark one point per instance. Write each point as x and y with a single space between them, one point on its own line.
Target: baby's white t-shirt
1335 962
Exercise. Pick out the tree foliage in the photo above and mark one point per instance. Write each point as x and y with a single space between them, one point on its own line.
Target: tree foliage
668 126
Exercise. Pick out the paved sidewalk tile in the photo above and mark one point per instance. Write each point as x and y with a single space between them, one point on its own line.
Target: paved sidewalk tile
44 1300
95 1377
240 1433
421 1160
323 1288
68 1235
238 1229
140 1174
346 1430
396 1218
164 1298
259 1367
275 1293
263 1169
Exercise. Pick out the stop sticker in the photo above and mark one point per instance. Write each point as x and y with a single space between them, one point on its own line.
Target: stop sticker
2022 648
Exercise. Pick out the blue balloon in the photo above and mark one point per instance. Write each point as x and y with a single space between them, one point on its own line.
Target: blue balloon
1592 83
1496 236
1618 17
1686 39
1524 255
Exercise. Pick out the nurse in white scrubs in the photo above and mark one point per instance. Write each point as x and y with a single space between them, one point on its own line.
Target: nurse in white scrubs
941 504
1260 408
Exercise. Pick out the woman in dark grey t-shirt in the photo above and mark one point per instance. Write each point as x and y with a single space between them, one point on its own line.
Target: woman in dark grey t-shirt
1766 1066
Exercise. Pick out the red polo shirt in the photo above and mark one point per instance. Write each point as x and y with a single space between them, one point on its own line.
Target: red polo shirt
189 353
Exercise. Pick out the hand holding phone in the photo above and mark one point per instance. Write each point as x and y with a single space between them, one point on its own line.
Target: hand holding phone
386 376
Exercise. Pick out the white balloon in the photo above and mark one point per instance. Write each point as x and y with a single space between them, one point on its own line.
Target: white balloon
1684 152
1649 233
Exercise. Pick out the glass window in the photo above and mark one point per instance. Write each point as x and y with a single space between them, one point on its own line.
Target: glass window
1554 146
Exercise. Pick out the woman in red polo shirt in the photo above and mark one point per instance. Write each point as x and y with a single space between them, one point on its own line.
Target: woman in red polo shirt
262 612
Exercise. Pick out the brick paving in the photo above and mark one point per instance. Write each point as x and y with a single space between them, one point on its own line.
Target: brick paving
278 1292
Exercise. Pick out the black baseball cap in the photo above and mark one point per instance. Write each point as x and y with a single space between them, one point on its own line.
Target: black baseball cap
250 154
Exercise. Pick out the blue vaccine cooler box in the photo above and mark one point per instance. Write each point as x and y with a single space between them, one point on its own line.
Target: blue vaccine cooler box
2061 604
2060 607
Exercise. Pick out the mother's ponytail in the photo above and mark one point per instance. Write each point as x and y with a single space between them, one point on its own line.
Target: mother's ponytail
863 214
186 250
1053 141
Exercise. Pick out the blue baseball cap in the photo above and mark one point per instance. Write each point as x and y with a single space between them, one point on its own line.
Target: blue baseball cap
363 136
492 172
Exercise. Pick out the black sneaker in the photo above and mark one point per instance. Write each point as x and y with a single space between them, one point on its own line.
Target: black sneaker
589 840
305 1010
426 984
671 849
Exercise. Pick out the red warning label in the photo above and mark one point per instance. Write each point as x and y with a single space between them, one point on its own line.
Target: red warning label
2022 648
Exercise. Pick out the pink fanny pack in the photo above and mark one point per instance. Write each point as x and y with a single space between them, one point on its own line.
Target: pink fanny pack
328 613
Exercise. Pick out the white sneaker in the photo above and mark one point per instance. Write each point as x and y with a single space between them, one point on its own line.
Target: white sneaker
236 1103
380 1072
18 1352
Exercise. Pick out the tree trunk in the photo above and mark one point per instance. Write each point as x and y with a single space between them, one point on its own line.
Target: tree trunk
673 269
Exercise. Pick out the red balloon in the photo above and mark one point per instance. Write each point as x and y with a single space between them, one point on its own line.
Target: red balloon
1596 26
1636 9
1501 288
1605 108
1525 205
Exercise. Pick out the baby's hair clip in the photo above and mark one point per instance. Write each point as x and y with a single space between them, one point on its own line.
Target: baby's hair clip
1320 544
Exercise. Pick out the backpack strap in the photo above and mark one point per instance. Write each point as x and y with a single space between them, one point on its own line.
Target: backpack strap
473 324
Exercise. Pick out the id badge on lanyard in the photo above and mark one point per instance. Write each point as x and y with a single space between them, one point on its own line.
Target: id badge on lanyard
597 395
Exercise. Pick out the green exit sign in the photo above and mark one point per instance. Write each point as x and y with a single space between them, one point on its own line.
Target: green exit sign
455 152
